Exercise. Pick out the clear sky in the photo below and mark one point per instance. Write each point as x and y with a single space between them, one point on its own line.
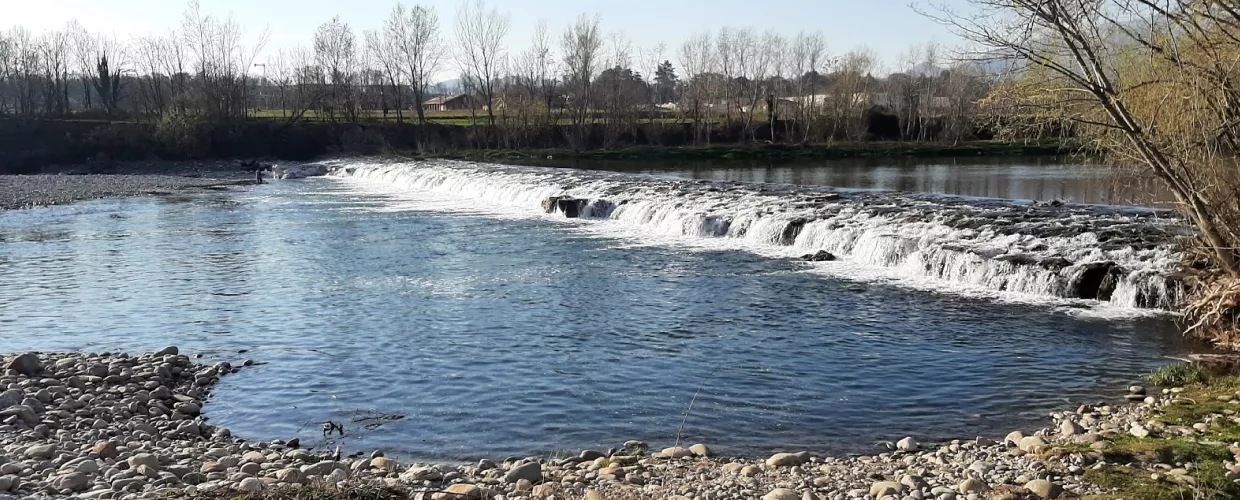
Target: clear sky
888 27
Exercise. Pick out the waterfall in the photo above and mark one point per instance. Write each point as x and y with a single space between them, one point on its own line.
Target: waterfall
1121 256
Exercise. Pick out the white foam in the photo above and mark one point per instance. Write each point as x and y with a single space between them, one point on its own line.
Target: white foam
910 240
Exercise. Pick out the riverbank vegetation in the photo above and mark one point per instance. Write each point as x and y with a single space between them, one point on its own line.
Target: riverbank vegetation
1155 85
1194 438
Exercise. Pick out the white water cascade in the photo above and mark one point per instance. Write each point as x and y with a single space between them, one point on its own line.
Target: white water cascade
1121 256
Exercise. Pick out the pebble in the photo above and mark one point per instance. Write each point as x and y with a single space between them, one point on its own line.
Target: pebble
1043 488
782 494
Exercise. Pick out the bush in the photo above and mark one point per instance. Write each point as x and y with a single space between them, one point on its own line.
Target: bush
183 136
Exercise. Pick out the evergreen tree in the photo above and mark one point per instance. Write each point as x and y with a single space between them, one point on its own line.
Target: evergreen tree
665 82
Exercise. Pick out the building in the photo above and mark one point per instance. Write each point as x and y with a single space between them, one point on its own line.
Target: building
457 102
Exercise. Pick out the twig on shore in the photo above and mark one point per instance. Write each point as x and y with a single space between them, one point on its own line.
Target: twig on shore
691 401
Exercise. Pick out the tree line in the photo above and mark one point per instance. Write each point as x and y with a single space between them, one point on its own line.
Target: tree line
589 86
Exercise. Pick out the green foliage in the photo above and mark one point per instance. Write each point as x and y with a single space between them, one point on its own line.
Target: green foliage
1177 375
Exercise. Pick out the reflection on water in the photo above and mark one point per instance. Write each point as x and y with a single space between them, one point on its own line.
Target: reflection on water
524 336
1034 178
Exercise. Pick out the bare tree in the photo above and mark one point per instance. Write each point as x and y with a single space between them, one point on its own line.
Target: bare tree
582 44
414 33
481 53
1153 83
335 50
383 49
807 57
697 59
220 62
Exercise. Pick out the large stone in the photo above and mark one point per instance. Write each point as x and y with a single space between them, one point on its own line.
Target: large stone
168 351
1070 428
1031 444
972 486
146 459
587 455
819 256
9 398
105 449
907 444
677 452
7 482
531 472
289 475
787 459
251 485
383 463
26 364
24 413
1013 438
75 481
254 456
461 492
1043 488
782 494
42 451
413 474
700 450
885 488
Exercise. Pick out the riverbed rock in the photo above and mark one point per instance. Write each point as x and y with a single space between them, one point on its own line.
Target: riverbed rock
1044 489
700 450
105 450
461 491
677 452
27 364
787 459
972 486
531 472
41 451
251 485
1013 438
782 494
146 459
885 488
75 481
168 351
1031 444
1069 428
819 256
24 413
907 444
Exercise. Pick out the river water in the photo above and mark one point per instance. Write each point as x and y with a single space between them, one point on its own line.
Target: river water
444 314
1032 178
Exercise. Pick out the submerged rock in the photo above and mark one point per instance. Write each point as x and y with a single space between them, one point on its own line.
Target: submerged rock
1096 280
819 256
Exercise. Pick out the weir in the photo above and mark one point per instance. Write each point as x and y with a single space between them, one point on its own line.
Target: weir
1122 256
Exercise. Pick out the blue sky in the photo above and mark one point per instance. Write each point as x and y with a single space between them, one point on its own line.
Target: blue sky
888 27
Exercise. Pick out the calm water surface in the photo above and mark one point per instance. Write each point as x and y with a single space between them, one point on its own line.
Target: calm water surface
519 335
1035 178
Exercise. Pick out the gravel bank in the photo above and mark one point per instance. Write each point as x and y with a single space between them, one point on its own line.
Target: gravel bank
28 191
115 426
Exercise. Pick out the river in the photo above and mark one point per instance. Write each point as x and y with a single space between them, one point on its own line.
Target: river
442 313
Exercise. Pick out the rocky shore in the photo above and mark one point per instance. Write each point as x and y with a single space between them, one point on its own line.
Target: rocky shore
61 185
116 426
